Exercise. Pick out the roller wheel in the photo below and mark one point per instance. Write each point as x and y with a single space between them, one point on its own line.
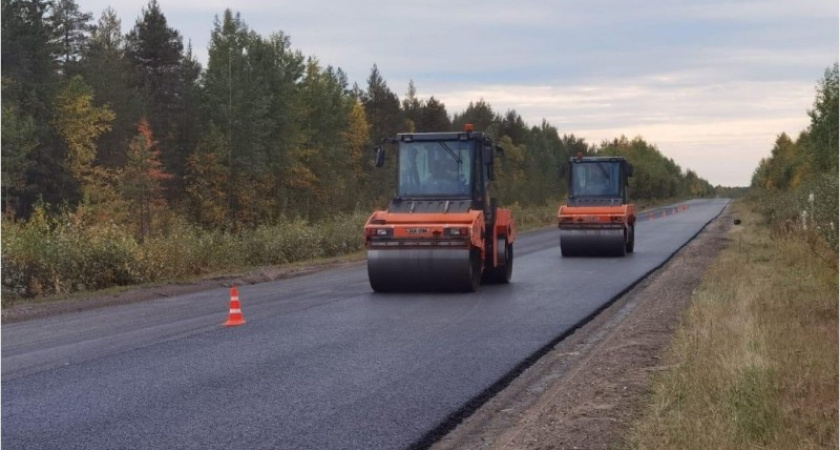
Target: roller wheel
501 275
632 241
622 248
379 286
475 271
565 252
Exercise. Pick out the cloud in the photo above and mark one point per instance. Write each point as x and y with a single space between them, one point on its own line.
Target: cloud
698 125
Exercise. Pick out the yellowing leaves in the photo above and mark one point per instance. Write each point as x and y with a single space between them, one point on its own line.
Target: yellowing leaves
356 136
80 124
301 176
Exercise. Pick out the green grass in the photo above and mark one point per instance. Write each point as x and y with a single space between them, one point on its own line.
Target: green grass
756 358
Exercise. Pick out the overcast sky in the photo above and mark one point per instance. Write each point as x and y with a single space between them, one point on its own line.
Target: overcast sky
712 83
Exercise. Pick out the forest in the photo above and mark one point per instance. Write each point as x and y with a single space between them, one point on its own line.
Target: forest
132 125
120 145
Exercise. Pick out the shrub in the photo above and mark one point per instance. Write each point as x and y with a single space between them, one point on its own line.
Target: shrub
55 255
64 253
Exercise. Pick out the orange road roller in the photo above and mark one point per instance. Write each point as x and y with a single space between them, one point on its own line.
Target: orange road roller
597 219
442 231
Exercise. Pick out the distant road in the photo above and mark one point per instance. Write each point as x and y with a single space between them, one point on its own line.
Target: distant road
323 362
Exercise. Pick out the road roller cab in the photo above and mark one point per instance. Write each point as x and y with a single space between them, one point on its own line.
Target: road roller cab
442 231
597 219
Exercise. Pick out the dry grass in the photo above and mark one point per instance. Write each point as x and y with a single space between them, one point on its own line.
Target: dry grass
756 359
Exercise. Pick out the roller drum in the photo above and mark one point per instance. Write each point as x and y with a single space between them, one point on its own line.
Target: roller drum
422 269
592 242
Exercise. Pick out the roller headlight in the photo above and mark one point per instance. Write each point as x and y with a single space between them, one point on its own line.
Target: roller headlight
382 232
457 232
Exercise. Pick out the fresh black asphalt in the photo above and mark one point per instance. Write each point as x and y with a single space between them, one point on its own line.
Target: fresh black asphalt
322 363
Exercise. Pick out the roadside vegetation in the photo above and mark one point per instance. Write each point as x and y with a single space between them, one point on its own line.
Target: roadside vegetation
54 253
58 253
755 363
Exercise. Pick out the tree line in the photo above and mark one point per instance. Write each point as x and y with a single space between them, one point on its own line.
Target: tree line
129 128
814 152
797 183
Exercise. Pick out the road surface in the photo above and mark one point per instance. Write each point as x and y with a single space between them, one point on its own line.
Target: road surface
322 363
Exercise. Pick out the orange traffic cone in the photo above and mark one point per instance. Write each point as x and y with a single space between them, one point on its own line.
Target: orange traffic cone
235 317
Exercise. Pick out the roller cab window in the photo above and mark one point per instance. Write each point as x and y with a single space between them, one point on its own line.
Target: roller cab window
435 169
596 179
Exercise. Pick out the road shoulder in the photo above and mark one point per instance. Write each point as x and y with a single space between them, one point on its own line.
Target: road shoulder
586 392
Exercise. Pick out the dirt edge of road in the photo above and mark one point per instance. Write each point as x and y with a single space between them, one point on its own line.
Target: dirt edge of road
586 392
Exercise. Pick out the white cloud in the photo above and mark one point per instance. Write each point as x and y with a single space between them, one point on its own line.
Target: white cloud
753 11
699 126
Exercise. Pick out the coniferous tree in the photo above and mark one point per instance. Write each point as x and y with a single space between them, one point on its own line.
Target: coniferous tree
382 108
19 139
30 80
155 53
206 181
357 92
412 107
481 115
280 71
106 70
573 145
188 117
512 125
29 55
222 94
250 95
326 107
72 28
544 155
433 116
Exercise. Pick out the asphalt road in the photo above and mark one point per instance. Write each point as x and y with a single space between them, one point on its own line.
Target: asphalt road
323 362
